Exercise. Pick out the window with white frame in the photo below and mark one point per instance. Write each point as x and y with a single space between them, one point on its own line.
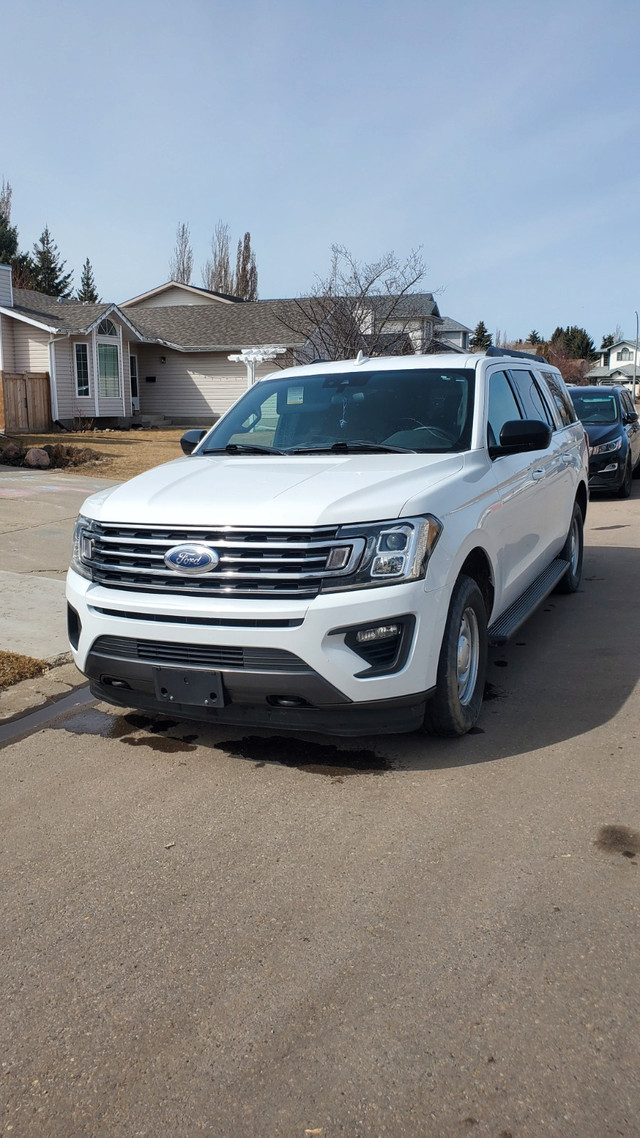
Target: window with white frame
108 360
82 369
625 354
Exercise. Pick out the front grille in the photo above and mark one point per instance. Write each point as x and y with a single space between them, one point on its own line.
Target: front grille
253 563
219 657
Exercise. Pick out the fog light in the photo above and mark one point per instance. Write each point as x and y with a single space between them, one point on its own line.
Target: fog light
380 632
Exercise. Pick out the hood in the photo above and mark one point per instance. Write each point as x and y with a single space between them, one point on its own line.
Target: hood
261 490
601 432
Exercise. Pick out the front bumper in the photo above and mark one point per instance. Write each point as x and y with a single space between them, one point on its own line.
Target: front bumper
288 669
606 473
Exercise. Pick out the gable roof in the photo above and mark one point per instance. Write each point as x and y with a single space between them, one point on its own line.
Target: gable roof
413 305
188 289
66 317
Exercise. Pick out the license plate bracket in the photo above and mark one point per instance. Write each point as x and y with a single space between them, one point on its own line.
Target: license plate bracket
188 686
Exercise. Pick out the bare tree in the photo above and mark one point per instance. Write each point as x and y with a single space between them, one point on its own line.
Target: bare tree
246 282
181 263
5 201
216 274
368 307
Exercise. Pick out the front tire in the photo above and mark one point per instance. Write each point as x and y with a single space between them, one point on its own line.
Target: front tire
455 707
573 551
625 489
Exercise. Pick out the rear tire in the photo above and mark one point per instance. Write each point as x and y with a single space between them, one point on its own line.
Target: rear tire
455 707
572 551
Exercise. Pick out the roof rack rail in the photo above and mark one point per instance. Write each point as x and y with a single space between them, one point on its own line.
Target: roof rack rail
493 351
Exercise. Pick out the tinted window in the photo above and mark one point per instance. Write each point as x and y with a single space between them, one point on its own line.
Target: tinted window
531 397
596 407
561 398
421 409
502 406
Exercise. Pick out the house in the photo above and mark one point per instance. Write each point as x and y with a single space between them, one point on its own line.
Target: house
616 364
175 351
163 353
453 336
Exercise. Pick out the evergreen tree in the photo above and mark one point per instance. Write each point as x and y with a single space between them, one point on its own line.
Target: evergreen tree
88 291
534 338
49 269
573 342
246 282
23 272
8 241
481 339
607 342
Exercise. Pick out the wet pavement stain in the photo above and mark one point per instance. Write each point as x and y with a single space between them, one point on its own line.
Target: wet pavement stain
165 744
620 526
128 725
312 758
618 839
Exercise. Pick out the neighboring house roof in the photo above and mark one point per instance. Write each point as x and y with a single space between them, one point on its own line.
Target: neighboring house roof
450 325
188 289
437 346
605 372
412 305
202 328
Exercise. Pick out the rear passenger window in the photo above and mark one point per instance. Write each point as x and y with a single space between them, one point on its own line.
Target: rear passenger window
531 397
502 406
561 398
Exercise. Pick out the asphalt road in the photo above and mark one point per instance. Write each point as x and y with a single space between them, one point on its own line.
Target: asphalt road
206 932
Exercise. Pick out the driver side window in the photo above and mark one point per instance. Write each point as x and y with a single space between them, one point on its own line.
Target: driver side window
502 406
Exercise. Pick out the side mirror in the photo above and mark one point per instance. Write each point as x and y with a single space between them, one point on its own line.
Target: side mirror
520 435
631 417
190 440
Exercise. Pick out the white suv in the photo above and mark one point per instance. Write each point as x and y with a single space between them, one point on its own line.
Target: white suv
337 552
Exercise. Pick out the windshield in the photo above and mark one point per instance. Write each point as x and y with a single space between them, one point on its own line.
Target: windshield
427 410
595 408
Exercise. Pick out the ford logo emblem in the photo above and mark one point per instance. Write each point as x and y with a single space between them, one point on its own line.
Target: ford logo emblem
191 560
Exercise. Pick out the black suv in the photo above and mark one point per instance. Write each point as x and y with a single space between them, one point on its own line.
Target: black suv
613 434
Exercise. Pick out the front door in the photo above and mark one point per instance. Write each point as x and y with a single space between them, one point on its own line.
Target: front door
135 396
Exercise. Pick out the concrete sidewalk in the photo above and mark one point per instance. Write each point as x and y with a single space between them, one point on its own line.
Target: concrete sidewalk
37 514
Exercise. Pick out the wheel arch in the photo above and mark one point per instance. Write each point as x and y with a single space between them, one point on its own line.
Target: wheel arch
477 566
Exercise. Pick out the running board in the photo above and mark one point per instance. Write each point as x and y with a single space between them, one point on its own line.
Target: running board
521 610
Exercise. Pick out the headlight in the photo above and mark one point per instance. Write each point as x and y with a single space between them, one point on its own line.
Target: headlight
606 448
82 550
394 552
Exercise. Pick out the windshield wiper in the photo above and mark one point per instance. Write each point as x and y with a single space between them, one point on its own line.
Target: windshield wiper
354 448
245 448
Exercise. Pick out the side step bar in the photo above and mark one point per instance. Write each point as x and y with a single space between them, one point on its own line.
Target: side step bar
521 609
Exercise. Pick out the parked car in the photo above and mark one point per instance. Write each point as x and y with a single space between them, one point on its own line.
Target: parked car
613 433
337 552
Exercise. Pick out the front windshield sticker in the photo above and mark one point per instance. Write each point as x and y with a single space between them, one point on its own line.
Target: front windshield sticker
295 396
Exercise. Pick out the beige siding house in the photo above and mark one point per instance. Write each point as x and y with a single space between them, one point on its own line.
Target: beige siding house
168 352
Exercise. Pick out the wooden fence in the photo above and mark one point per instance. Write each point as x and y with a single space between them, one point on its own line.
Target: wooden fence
25 401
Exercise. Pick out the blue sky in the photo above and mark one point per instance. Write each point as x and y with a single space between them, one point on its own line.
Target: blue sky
501 138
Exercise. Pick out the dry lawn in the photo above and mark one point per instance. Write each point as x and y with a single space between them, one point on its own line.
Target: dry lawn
124 453
14 667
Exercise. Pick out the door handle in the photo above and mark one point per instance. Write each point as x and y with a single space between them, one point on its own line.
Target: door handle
537 474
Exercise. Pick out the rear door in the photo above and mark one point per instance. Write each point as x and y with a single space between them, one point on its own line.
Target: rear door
519 528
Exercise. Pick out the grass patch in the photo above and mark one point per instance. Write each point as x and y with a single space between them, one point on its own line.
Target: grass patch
123 454
14 667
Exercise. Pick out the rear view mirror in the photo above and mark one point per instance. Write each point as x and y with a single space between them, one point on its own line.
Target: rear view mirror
190 440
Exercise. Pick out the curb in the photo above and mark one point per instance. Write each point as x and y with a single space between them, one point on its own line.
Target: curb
59 680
